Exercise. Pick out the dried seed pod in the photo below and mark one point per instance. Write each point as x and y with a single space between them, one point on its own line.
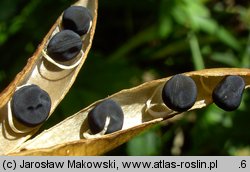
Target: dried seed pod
132 102
77 19
51 78
64 45
107 109
31 105
179 93
228 93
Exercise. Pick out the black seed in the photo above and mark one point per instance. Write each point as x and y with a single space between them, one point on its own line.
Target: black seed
31 105
179 93
98 115
228 93
64 45
77 19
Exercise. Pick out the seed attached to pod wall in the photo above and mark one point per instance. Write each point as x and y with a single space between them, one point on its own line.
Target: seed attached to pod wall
77 19
179 93
97 117
228 93
64 45
31 105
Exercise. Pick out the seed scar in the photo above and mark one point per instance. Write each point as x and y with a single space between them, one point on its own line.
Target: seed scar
89 135
61 66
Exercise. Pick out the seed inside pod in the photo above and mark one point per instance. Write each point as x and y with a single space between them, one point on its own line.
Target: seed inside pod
31 105
179 93
228 93
64 45
97 117
77 19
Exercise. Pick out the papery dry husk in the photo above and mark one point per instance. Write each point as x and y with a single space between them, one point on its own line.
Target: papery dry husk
47 76
66 138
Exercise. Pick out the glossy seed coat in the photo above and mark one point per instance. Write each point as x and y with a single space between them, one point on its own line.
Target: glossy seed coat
64 45
179 93
30 105
98 115
77 19
228 93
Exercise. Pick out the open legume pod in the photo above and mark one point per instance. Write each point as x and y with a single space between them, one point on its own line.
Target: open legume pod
52 76
142 107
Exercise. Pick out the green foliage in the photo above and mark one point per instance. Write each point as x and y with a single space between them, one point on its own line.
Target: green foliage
137 41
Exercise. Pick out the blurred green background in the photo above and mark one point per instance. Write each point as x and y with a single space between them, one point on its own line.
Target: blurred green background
141 40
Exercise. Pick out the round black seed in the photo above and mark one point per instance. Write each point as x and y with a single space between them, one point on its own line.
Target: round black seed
77 19
98 115
64 45
228 93
179 93
30 105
